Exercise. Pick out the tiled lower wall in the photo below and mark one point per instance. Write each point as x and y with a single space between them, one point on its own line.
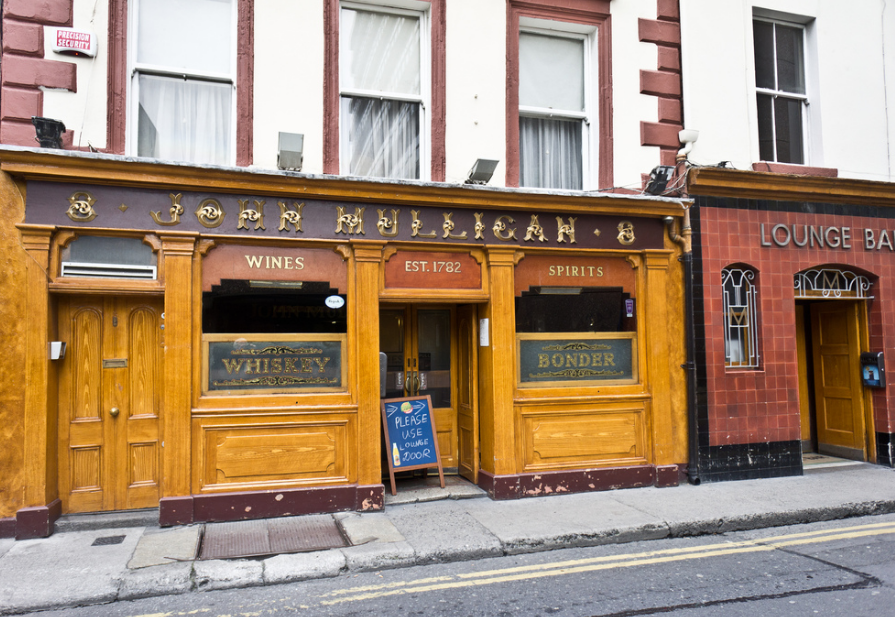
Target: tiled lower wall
750 461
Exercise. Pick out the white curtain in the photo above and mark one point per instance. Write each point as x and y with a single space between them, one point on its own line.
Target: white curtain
551 72
382 137
379 51
193 35
184 120
550 153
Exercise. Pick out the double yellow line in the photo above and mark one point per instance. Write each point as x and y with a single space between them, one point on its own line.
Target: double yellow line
575 566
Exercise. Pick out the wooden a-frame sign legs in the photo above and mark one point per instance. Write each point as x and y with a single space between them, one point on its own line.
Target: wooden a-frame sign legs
410 437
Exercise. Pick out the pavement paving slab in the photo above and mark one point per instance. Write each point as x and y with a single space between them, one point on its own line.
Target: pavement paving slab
64 570
444 531
368 527
146 582
379 556
160 547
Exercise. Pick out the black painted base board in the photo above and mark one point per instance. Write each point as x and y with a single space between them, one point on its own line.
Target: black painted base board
750 461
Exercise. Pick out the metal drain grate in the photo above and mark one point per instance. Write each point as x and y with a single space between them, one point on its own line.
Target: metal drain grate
108 540
270 537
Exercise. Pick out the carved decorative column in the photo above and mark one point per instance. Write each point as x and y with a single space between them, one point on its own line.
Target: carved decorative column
175 506
42 505
367 259
497 370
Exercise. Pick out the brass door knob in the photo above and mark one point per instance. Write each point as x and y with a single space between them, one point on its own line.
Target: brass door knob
114 412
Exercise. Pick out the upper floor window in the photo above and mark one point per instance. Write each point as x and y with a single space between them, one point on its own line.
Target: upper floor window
183 68
384 88
780 90
553 109
739 318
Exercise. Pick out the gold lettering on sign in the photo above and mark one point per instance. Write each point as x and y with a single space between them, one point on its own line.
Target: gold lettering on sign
479 226
176 210
249 215
350 224
417 224
81 208
534 229
210 213
449 227
500 227
388 227
626 233
565 230
274 262
290 217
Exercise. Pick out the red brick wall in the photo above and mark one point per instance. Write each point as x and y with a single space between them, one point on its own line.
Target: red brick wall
762 405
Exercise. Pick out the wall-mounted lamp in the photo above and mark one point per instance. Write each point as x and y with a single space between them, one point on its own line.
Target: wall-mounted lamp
290 148
658 179
49 132
482 171
687 137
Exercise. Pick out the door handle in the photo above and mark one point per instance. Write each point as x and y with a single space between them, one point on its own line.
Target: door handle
416 382
114 412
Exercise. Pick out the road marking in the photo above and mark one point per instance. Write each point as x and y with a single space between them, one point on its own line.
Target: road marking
562 568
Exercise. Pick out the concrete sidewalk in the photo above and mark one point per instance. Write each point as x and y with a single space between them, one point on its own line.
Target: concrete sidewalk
66 569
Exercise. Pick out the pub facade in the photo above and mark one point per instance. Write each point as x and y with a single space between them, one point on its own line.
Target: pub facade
216 342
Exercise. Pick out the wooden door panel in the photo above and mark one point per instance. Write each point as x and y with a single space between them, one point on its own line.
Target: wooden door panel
86 331
838 392
467 393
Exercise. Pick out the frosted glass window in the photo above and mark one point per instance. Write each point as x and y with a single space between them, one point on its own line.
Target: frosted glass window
190 35
551 72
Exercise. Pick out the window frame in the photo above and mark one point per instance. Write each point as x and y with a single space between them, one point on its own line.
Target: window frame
136 69
424 99
776 92
749 339
588 36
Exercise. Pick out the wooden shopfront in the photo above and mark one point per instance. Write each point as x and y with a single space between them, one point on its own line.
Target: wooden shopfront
224 331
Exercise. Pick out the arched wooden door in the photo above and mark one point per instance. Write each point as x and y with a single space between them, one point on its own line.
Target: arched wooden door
109 402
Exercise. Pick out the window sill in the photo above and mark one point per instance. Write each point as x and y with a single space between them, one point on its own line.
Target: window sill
795 170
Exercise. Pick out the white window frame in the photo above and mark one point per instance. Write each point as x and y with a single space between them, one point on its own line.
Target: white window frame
590 116
417 10
775 93
135 69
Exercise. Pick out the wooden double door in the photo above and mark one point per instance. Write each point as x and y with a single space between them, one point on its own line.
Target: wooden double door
110 391
833 399
432 350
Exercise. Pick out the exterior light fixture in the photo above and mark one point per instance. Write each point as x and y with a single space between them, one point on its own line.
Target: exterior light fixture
481 172
49 132
289 151
658 179
687 137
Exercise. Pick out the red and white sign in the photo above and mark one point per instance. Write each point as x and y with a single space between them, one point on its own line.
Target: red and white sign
71 41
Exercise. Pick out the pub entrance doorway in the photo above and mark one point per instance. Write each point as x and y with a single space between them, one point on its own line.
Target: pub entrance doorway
834 405
110 388
432 350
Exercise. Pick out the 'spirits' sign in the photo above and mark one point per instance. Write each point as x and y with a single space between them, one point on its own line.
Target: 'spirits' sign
826 236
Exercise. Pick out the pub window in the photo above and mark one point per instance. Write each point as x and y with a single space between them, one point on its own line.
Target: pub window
268 337
108 257
569 336
739 318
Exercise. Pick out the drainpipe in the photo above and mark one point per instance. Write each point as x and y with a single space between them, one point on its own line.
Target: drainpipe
684 239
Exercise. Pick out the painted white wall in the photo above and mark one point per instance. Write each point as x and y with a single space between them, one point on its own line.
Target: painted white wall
629 107
83 111
848 124
288 79
476 86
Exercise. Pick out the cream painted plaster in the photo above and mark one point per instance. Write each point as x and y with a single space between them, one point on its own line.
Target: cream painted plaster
476 69
83 111
289 79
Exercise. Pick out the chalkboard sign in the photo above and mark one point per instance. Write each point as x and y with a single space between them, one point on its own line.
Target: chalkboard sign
410 437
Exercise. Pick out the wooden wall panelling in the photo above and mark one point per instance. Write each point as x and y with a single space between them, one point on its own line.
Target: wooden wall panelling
364 348
177 251
574 437
40 410
262 452
659 360
497 367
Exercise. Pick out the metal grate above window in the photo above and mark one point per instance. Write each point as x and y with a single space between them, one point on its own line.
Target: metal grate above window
118 271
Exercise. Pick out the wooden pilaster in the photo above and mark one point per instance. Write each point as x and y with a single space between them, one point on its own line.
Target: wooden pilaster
178 254
497 368
659 337
367 258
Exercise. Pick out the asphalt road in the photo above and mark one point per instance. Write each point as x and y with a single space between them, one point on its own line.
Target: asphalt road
837 568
